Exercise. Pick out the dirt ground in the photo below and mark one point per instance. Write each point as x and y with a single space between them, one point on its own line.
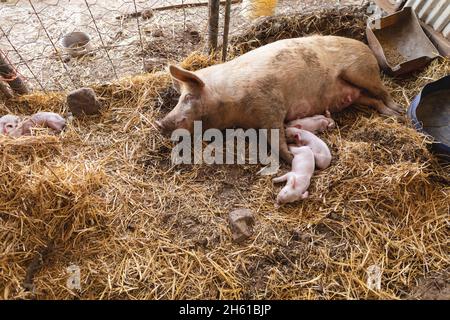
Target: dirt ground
33 44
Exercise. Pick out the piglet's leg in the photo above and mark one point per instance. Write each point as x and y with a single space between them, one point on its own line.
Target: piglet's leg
56 126
322 162
281 179
26 126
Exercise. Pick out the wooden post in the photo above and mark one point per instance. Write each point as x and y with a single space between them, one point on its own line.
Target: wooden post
9 75
213 24
226 30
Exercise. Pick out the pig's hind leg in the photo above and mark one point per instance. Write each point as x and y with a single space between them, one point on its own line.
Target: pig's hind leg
322 161
365 100
366 76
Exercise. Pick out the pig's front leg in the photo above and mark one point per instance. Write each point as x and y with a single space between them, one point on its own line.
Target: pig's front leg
284 152
272 116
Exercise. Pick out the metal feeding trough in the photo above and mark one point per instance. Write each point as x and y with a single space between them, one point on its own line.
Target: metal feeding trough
399 43
430 114
76 44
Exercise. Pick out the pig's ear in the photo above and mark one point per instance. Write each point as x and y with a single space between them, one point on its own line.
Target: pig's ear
298 126
179 74
176 85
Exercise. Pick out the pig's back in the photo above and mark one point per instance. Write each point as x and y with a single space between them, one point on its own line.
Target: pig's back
285 54
301 70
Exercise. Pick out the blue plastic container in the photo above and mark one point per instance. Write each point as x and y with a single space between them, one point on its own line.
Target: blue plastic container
430 114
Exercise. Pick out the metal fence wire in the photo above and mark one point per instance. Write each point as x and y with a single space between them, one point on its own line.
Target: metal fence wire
114 38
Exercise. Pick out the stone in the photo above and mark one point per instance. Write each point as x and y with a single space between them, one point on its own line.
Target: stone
157 33
147 14
83 101
241 224
152 64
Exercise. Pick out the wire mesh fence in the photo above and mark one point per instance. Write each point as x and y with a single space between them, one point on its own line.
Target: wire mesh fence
64 44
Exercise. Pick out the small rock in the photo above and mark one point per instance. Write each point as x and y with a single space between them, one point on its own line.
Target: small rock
241 224
157 33
195 36
83 101
147 14
154 63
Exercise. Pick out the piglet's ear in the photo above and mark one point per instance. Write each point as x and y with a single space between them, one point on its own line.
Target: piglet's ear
305 195
298 126
188 77
298 138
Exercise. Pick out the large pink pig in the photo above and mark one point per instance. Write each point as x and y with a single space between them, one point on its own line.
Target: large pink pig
282 81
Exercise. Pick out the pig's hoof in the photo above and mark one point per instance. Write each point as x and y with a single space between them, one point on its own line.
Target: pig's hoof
395 107
241 224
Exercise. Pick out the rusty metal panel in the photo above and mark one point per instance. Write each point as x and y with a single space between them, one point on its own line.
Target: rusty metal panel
435 13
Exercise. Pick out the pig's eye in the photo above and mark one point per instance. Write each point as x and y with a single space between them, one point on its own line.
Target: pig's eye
9 126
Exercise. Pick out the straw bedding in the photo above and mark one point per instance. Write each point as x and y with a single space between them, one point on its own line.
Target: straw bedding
104 196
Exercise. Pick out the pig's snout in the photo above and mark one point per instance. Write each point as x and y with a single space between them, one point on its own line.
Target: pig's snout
169 124
166 125
163 126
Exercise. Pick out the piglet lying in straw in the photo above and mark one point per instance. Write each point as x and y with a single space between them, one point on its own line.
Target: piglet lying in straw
14 128
299 178
314 124
322 154
43 119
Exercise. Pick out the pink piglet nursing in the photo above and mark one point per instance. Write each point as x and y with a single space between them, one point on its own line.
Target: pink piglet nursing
309 152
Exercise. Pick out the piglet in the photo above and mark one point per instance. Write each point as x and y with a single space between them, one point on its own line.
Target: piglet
322 154
8 124
299 178
43 119
314 124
